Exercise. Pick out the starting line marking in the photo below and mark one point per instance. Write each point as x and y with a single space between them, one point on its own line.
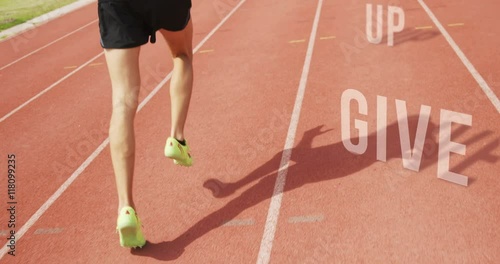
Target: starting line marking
423 27
306 219
239 222
430 27
90 65
206 51
48 231
297 41
328 37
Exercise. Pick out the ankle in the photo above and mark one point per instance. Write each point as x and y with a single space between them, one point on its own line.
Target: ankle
179 137
182 142
121 206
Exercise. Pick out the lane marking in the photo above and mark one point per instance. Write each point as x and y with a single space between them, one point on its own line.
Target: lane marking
306 219
423 27
275 204
33 23
239 222
70 67
48 231
328 37
95 64
456 24
206 51
37 50
49 88
86 163
479 79
297 41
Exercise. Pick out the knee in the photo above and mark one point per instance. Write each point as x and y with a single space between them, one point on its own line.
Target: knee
120 146
125 103
184 56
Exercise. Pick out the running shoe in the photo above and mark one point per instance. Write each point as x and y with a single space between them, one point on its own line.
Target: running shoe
129 228
178 152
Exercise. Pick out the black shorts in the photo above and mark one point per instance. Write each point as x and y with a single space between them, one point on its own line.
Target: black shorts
131 23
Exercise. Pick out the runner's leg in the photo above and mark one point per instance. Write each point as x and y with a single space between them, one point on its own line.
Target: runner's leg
123 67
181 84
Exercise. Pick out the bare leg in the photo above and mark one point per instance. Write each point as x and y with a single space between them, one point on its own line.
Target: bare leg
123 66
181 84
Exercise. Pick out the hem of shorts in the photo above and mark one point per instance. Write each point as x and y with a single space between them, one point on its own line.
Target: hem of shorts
179 29
130 46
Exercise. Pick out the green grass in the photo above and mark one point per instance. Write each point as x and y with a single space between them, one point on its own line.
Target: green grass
15 12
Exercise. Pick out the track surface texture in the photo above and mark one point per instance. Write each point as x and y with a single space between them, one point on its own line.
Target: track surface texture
312 145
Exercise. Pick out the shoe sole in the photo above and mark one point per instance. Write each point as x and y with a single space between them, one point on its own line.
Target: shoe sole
128 238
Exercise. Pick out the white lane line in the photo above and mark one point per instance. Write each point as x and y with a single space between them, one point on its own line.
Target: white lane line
479 79
86 163
239 222
306 219
274 208
39 49
49 88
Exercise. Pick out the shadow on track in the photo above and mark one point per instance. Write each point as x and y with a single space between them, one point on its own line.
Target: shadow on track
312 165
411 34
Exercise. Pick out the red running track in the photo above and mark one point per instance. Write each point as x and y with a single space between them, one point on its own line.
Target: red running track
336 206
